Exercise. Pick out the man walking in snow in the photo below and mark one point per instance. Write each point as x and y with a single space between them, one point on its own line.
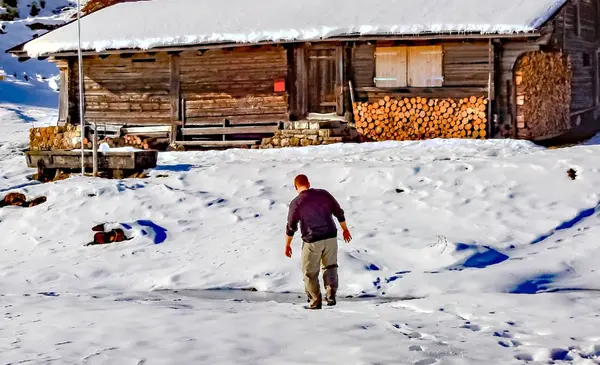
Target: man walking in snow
313 209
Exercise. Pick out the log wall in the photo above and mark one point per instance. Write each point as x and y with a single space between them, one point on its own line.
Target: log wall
198 88
237 85
123 90
465 65
577 33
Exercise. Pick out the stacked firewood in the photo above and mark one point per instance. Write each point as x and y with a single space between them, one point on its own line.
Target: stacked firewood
543 83
56 138
422 118
135 141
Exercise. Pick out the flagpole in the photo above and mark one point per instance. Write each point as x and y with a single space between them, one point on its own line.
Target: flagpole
81 91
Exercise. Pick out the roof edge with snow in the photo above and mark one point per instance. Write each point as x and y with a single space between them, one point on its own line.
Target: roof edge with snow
164 26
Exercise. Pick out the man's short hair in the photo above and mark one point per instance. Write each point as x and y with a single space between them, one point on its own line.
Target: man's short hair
301 180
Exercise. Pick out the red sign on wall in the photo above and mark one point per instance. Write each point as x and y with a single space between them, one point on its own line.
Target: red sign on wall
279 86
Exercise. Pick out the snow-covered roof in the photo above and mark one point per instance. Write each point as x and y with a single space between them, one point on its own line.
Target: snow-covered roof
163 23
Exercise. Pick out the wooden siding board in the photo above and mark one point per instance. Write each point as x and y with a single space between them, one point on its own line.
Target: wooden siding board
175 95
391 65
466 64
221 84
119 90
63 103
363 65
584 89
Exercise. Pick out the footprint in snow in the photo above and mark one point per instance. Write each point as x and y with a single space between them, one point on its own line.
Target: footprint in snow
524 357
509 343
471 326
503 334
428 361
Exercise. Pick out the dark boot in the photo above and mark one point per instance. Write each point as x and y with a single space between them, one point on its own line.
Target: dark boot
315 306
331 301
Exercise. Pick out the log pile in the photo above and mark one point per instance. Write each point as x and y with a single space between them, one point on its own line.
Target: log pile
300 138
543 82
136 141
422 118
56 138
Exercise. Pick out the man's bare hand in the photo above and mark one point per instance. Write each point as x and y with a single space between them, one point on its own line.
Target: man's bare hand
347 235
288 251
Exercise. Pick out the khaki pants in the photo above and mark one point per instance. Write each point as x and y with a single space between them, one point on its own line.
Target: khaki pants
314 256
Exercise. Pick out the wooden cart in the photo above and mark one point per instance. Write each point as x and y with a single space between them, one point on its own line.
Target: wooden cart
112 164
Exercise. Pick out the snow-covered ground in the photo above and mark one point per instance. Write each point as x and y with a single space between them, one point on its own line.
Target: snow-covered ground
494 245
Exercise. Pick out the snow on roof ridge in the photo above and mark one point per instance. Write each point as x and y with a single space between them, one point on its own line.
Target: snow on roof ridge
164 23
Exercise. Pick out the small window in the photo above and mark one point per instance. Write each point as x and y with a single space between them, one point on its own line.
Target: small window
587 60
419 66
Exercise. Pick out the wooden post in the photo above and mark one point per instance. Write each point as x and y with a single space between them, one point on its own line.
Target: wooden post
301 82
95 151
175 96
339 79
491 68
63 104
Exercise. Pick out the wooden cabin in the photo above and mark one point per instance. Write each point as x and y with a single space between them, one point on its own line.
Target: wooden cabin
528 70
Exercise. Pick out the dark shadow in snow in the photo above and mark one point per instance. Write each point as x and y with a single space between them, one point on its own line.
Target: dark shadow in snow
534 285
372 267
580 217
121 187
20 186
155 232
25 118
184 167
483 257
49 294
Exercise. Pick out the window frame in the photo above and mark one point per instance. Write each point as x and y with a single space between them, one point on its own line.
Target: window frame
409 72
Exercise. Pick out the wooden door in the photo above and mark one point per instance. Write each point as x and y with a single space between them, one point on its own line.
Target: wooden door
323 79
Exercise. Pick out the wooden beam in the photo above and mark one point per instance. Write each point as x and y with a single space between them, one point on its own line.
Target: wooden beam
228 130
149 129
175 95
339 80
462 36
63 103
301 82
238 119
490 90
583 111
238 143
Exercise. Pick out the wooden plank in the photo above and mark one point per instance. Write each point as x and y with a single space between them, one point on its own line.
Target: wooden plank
236 143
490 88
63 103
363 65
238 119
223 112
228 130
391 65
425 66
175 95
144 130
314 84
